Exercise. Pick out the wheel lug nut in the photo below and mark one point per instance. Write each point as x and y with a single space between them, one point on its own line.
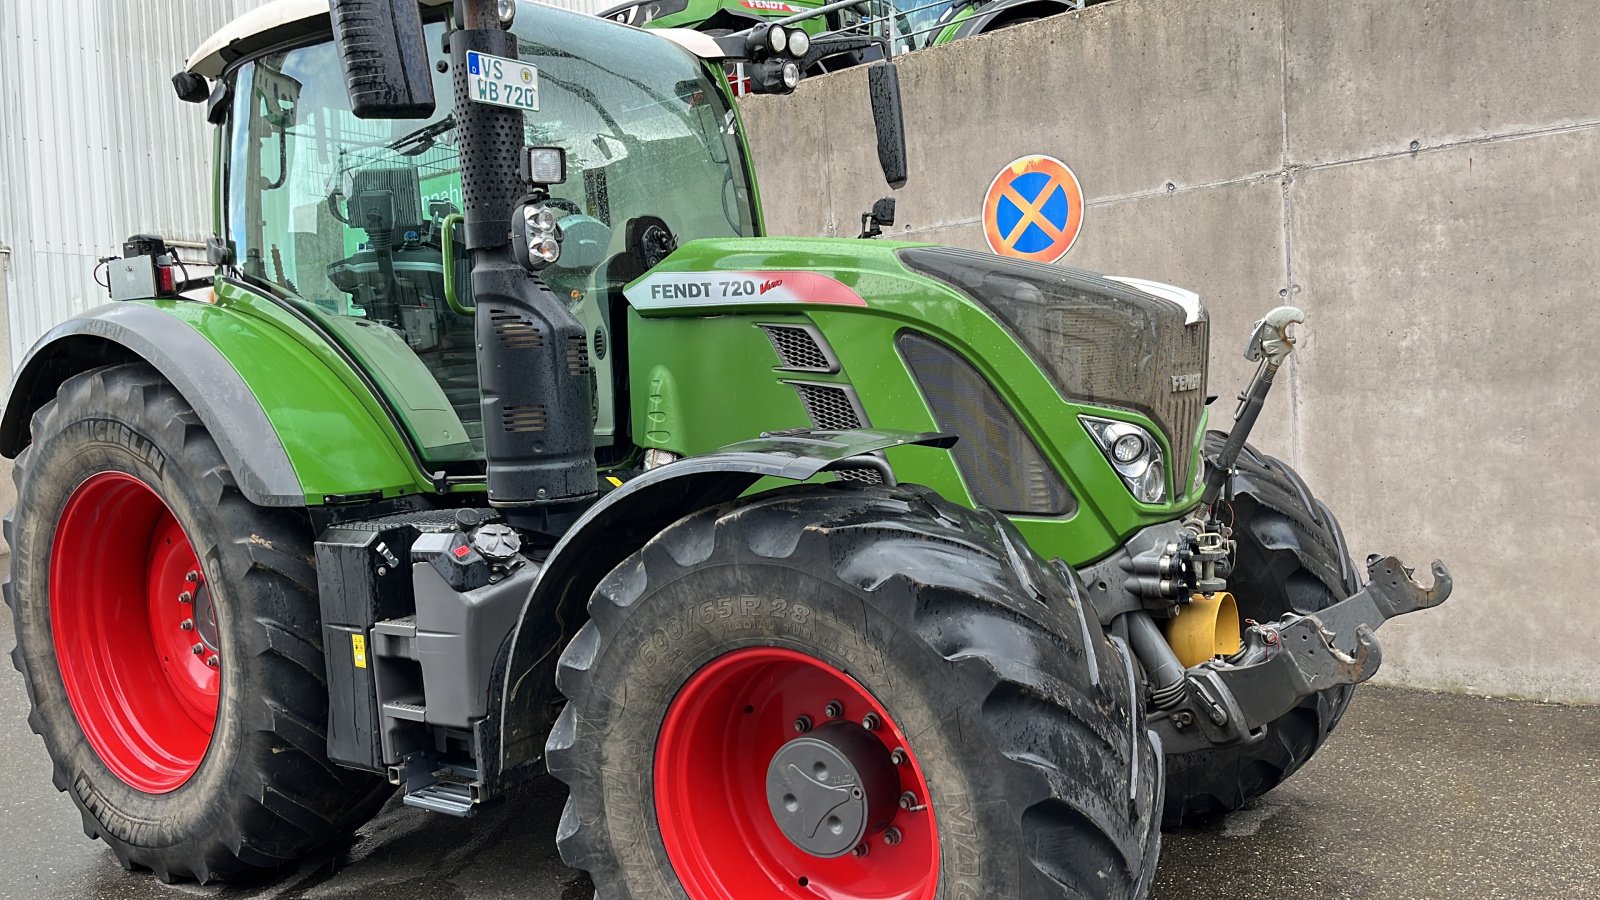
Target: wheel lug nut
898 756
908 801
869 722
213 662
891 835
186 597
187 624
833 710
860 850
192 577
802 724
198 649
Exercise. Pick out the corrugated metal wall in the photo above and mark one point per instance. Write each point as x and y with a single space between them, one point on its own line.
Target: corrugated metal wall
94 145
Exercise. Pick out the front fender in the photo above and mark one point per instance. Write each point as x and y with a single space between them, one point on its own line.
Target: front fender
624 521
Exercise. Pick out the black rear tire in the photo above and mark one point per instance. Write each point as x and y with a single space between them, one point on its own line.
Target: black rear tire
1043 779
264 792
1291 558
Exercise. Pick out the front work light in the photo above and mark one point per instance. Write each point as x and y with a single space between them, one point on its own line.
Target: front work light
544 166
1134 454
799 43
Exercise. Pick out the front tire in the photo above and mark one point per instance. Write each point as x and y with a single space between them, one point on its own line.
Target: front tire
1291 557
168 631
741 637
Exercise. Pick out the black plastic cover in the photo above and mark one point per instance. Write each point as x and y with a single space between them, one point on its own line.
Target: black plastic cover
363 577
1001 464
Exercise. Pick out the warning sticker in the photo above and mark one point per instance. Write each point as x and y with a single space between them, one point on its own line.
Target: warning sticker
358 645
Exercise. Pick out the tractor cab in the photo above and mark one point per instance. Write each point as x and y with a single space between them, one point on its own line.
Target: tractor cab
353 222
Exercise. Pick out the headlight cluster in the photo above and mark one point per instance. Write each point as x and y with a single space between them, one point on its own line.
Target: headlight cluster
765 39
774 51
1134 453
537 241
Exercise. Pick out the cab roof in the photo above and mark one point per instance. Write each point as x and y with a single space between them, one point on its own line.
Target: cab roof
286 20
264 26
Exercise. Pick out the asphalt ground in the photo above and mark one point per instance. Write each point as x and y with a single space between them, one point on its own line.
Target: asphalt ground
1417 796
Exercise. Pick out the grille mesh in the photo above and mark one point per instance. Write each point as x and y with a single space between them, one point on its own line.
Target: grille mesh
515 332
524 417
862 475
1001 464
578 354
831 407
798 348
1102 342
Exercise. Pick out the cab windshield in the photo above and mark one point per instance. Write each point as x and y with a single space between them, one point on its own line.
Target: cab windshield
348 217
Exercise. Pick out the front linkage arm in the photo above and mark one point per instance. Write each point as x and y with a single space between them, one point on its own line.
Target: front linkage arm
1295 657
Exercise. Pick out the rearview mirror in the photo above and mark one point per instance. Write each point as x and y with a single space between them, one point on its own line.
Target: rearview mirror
883 85
385 58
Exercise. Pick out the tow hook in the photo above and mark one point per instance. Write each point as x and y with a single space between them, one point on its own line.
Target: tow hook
1299 655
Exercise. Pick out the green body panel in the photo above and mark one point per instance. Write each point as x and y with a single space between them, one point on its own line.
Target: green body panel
710 375
339 438
948 33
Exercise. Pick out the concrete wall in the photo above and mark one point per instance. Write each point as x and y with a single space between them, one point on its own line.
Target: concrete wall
1422 178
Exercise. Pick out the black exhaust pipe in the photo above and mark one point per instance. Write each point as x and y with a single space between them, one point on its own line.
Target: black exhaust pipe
533 364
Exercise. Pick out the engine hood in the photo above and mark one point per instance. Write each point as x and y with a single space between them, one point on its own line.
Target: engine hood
1134 345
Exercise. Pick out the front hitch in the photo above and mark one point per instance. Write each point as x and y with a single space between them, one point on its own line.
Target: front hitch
1283 662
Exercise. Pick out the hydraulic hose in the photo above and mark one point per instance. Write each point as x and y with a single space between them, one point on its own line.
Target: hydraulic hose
1155 654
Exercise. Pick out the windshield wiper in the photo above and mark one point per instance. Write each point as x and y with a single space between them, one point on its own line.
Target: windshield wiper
423 136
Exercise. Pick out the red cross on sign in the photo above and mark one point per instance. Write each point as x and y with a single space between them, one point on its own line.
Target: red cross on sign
1033 210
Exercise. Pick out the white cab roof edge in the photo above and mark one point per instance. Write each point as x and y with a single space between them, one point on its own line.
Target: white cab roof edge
697 42
211 57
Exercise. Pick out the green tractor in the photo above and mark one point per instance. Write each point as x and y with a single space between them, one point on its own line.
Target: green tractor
501 442
845 33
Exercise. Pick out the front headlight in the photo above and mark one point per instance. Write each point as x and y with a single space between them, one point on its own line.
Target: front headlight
1134 454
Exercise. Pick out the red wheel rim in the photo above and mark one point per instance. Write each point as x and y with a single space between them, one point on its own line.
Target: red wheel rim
135 632
720 734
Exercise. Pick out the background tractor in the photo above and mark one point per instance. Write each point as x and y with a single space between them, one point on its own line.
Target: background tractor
502 441
844 34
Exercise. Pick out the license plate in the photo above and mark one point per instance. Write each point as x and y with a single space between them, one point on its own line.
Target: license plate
498 81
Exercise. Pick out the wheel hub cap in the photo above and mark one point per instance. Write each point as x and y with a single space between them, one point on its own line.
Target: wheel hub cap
779 776
824 789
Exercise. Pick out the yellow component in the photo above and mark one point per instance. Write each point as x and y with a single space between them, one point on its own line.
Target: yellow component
1206 627
615 481
358 644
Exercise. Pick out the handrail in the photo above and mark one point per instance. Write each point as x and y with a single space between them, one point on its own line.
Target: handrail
447 246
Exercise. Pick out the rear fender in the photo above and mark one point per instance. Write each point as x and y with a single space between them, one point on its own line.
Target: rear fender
131 332
295 423
624 521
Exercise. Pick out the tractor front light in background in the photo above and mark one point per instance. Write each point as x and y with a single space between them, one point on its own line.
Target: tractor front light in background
773 75
506 10
799 43
777 39
1134 454
544 166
